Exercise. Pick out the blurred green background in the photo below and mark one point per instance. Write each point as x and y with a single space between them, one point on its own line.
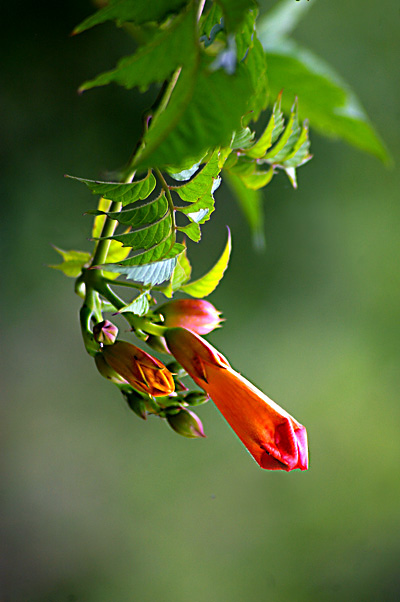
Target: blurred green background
98 506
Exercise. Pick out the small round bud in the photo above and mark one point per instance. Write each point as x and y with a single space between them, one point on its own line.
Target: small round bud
157 343
196 398
105 332
186 423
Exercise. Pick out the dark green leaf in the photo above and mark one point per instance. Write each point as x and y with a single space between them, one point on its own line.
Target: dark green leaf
170 48
137 11
147 236
147 213
122 193
234 12
200 115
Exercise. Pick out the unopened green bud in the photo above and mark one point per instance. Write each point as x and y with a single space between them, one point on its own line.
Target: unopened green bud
185 423
157 343
196 398
105 332
176 369
136 402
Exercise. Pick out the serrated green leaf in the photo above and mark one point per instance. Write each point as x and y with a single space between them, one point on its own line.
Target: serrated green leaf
73 262
234 12
332 108
283 147
192 230
203 184
242 139
300 152
275 127
139 306
146 213
200 115
171 47
121 193
209 282
250 201
149 273
167 249
147 236
131 10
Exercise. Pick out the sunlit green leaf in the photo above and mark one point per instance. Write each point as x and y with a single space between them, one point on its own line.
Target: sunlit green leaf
181 274
258 179
192 230
271 133
73 262
209 282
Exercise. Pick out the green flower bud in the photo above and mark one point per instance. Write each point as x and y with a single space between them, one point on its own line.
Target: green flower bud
136 402
185 423
196 398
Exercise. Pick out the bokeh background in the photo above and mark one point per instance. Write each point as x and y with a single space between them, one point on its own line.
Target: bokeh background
98 506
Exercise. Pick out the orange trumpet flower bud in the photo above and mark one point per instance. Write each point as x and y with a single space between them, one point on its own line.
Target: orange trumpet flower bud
275 439
142 371
197 315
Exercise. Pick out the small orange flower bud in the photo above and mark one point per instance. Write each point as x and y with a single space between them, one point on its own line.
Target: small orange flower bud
197 315
105 332
274 438
142 371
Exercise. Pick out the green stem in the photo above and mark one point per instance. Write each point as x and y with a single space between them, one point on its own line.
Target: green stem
136 322
167 191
